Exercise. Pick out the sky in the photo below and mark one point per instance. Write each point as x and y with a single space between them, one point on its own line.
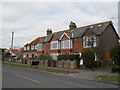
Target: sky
30 20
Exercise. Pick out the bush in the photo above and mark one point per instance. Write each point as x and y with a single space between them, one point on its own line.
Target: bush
44 57
115 54
115 69
88 57
69 57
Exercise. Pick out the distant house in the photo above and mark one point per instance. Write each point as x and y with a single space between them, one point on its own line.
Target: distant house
15 52
100 37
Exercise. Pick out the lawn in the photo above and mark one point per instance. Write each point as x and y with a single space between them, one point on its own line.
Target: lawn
108 78
103 68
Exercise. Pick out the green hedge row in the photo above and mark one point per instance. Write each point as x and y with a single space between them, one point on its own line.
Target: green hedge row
44 57
69 57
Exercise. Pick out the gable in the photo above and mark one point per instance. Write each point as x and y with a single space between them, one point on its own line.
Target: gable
64 37
39 41
88 33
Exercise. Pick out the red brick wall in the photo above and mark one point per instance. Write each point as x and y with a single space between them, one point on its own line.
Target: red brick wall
64 37
47 48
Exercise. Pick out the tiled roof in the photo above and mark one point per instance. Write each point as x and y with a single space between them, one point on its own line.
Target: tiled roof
97 29
15 51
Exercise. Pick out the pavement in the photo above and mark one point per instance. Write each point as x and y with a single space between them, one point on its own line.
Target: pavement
86 74
17 77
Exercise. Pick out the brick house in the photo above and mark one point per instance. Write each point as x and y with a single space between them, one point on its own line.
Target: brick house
100 37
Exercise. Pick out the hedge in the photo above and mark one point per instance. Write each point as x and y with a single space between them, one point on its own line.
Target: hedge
44 57
69 57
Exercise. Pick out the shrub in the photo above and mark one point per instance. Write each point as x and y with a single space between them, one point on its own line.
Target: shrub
44 57
115 54
115 69
69 57
88 57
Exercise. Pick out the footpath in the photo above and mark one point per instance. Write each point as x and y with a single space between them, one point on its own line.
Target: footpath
86 74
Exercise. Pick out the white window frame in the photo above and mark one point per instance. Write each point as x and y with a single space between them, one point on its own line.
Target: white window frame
64 46
32 47
85 41
39 47
52 47
28 48
24 48
35 46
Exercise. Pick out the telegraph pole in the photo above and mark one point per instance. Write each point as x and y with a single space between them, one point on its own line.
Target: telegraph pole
12 41
11 46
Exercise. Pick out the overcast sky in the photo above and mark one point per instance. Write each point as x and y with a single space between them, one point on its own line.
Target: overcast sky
30 20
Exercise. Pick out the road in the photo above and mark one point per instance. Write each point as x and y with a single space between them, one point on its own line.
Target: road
17 77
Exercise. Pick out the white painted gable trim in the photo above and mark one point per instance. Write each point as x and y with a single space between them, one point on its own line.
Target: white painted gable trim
63 35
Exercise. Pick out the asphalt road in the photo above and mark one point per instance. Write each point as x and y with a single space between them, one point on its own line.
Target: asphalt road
16 77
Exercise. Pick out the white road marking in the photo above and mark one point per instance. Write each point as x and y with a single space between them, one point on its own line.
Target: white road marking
27 78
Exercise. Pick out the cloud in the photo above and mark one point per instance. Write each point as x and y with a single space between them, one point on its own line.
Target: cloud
30 20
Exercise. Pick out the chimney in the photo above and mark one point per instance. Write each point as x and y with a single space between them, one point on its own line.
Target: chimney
49 31
72 25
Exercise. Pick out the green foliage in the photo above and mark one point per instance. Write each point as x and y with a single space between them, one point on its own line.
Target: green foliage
115 69
115 54
44 57
69 57
7 54
88 57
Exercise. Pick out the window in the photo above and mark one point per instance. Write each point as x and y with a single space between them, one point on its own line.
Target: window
39 47
35 46
32 47
89 41
66 44
28 48
54 45
24 48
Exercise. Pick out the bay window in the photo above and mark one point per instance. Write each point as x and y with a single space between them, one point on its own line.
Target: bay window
54 45
66 44
39 47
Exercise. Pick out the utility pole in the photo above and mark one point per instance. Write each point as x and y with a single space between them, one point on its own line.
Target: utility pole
12 40
11 45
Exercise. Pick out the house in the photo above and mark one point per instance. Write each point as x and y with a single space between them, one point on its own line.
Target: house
100 37
15 52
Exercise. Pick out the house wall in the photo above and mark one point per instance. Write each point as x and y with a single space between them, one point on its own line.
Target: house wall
106 41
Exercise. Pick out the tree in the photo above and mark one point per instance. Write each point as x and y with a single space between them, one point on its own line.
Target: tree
115 54
88 57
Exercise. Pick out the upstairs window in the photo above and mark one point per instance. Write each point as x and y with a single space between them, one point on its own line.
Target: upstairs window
32 47
39 47
66 44
54 45
35 46
28 48
89 41
24 48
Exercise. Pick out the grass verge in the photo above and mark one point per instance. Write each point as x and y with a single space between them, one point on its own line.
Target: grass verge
108 78
42 68
103 68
